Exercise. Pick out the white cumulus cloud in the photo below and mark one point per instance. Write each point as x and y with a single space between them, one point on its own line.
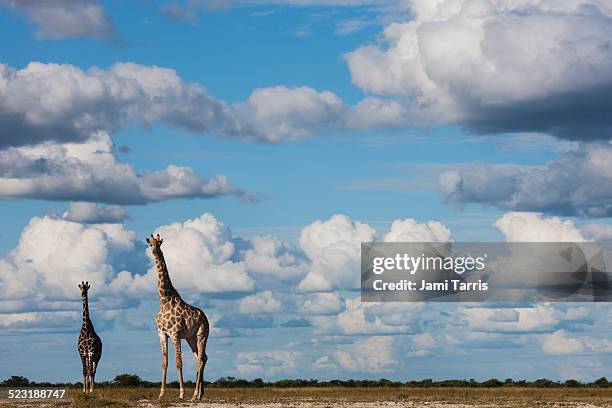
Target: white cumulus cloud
269 255
369 318
54 255
540 318
497 65
90 171
323 303
94 213
333 246
266 362
64 18
576 183
410 230
63 103
534 227
560 342
373 354
276 113
199 254
263 302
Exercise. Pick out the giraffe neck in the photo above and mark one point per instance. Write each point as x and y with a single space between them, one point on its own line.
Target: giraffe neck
164 285
86 320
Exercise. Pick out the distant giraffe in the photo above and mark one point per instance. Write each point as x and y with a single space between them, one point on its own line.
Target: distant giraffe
178 320
89 345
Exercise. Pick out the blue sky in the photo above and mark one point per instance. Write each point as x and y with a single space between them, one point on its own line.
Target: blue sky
328 124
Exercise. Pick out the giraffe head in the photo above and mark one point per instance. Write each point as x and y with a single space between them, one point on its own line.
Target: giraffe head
155 243
84 286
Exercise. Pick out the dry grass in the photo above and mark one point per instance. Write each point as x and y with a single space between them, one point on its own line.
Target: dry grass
347 397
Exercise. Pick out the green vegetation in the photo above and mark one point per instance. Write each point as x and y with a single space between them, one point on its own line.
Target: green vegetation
127 380
133 380
315 394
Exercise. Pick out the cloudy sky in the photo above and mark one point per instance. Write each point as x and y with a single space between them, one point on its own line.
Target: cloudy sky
265 140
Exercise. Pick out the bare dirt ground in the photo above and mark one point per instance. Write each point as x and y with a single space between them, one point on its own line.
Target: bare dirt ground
329 397
406 398
385 404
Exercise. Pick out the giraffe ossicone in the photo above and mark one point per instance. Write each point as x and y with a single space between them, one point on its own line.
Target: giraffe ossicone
178 320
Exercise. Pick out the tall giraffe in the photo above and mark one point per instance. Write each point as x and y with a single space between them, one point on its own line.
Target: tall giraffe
178 320
89 344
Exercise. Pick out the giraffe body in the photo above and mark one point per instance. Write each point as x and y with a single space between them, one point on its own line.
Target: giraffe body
89 344
178 320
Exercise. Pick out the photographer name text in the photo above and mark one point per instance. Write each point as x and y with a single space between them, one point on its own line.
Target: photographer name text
428 264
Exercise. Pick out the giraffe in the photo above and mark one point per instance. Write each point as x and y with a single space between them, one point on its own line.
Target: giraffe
89 344
177 320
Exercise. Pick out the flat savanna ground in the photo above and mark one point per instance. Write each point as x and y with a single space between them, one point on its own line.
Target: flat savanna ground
342 397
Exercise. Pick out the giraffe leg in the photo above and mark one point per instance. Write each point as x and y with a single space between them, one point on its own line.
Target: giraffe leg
89 373
176 343
93 377
163 340
196 352
201 364
84 361
197 390
193 344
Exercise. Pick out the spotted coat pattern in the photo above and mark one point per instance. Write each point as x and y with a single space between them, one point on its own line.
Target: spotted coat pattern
178 320
89 344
